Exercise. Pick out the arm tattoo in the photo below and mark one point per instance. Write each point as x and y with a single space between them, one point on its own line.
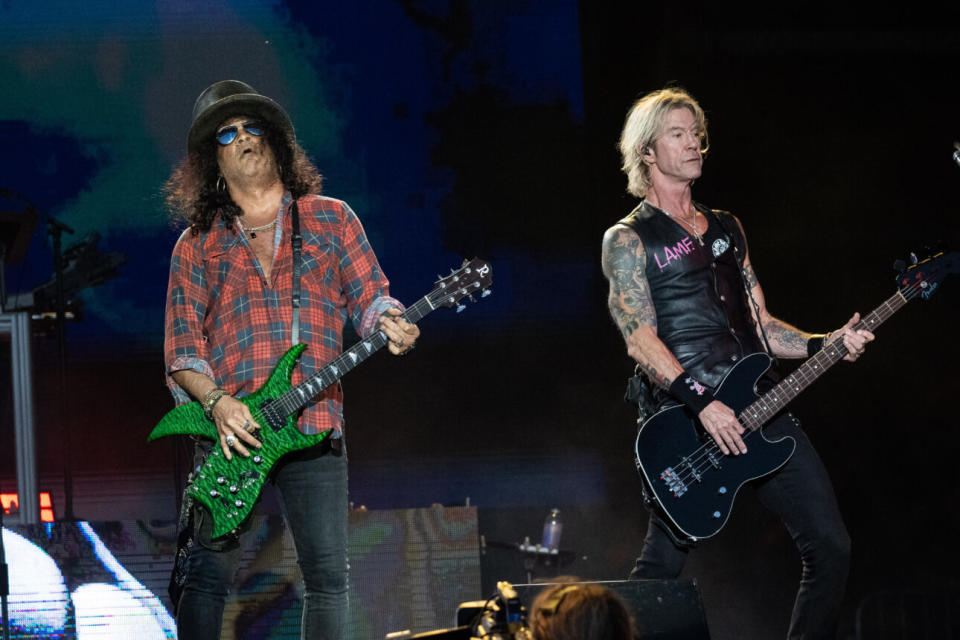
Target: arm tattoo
786 341
624 261
655 375
750 276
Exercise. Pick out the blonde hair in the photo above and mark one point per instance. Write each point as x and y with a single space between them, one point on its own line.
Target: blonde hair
644 123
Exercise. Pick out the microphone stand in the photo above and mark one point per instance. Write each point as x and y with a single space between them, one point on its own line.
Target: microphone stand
55 230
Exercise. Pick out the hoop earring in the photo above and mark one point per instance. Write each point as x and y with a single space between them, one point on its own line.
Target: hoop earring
221 185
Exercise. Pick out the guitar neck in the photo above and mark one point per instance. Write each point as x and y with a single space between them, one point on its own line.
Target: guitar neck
768 405
299 396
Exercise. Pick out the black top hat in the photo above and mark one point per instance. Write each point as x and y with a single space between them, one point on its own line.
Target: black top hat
228 98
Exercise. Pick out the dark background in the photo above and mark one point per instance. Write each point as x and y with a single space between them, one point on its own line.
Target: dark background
473 128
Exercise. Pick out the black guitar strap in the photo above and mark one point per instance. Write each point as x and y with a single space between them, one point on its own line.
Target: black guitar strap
296 241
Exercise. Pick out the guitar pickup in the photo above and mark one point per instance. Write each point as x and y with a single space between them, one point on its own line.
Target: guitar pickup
713 460
274 419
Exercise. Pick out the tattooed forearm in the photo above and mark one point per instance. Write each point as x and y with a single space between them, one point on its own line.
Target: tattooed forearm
656 376
624 261
750 276
786 341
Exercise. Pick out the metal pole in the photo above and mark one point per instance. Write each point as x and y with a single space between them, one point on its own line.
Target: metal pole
56 229
18 326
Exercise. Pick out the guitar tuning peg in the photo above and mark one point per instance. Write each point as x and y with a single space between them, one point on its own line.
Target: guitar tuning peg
913 258
464 263
461 307
485 293
439 277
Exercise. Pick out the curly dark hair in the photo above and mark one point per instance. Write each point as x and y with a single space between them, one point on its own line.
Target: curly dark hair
191 192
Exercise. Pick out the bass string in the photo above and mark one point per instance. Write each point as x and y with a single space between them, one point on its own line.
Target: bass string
699 460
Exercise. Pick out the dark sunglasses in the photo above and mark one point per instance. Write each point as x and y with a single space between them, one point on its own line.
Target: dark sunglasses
226 135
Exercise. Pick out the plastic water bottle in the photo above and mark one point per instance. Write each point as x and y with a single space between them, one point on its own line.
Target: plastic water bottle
552 528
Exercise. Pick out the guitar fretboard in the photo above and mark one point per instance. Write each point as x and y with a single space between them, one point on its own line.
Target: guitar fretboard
769 404
300 395
449 292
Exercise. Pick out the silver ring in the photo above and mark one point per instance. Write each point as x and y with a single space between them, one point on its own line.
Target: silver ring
231 441
245 425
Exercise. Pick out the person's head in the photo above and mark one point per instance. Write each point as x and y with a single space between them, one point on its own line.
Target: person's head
238 135
580 612
645 126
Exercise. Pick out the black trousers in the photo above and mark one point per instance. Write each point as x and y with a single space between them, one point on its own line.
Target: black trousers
801 494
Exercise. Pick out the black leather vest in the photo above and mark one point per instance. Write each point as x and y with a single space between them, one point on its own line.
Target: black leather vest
697 291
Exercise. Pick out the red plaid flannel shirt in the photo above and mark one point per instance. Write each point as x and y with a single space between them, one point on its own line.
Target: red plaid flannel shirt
225 321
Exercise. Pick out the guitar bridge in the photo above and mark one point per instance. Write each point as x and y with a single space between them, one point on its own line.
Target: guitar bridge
670 478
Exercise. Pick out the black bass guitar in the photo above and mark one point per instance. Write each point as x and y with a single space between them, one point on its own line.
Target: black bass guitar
685 475
230 488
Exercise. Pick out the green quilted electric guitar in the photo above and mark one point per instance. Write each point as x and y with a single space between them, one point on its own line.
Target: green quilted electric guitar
230 488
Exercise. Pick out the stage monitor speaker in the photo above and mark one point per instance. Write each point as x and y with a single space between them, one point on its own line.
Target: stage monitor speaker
662 609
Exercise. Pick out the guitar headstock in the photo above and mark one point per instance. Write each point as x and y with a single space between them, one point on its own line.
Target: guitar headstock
923 277
474 276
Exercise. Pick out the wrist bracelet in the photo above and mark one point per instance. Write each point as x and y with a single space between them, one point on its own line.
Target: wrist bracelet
691 392
210 400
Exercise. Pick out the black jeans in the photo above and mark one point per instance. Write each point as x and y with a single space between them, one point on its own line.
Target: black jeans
313 488
802 495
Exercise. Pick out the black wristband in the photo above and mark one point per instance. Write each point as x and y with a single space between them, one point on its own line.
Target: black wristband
691 392
814 345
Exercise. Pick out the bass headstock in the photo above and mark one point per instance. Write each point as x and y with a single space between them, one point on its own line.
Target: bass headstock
923 277
473 277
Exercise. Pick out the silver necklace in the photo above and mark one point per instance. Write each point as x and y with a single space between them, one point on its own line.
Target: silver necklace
253 230
692 226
